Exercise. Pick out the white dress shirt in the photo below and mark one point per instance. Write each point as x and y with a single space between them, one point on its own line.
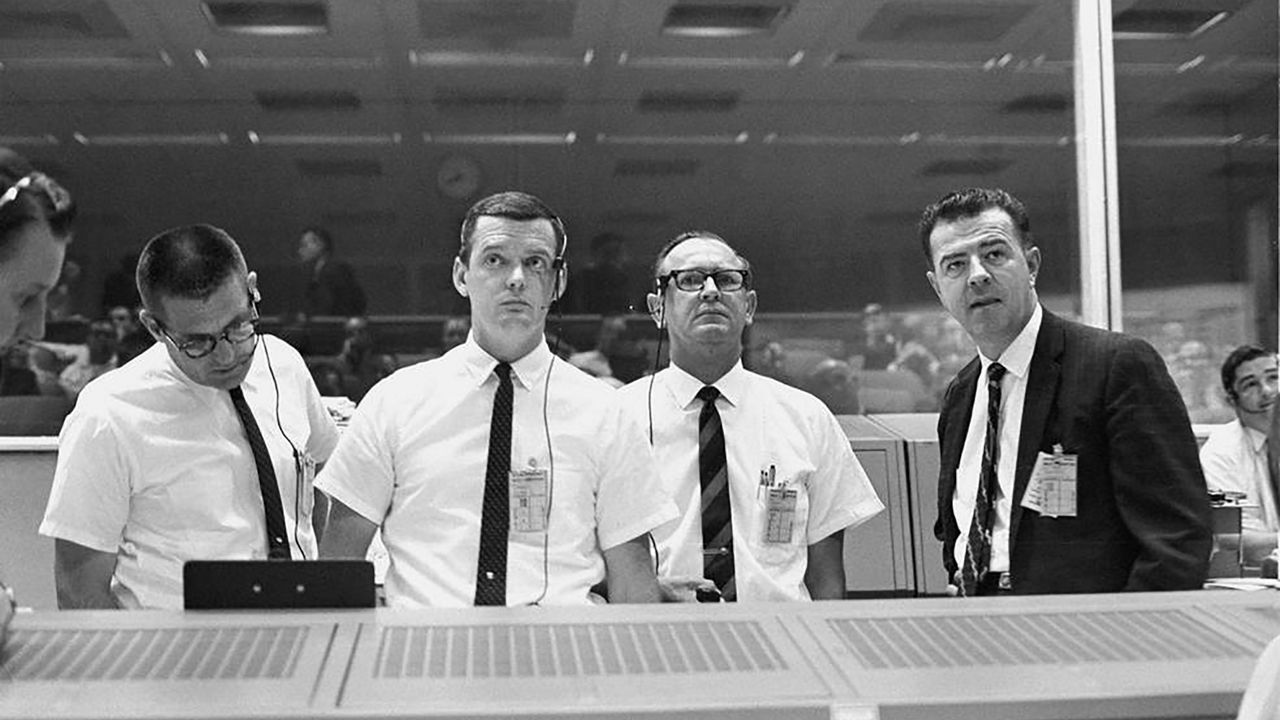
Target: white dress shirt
1235 458
1016 359
157 469
768 426
413 461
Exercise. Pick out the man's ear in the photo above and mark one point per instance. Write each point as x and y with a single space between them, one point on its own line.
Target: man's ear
751 305
1033 263
460 276
933 283
252 281
149 322
656 309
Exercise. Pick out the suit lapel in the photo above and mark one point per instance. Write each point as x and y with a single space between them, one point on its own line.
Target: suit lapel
1042 392
958 413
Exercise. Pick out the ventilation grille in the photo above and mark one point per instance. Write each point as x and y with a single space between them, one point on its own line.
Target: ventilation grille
1046 104
307 101
498 21
338 168
662 101
483 651
232 653
949 23
645 167
1044 639
462 100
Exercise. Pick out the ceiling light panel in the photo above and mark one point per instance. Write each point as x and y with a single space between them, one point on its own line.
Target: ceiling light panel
280 19
341 140
565 138
498 59
311 63
152 139
66 20
113 61
307 101
723 20
948 23
497 22
666 62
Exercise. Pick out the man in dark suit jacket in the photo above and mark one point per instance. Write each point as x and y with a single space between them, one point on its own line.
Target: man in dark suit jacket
331 287
1139 519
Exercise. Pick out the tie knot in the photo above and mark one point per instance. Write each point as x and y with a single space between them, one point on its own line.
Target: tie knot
708 394
995 372
503 370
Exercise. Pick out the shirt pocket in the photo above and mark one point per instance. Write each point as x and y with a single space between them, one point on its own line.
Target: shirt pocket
779 529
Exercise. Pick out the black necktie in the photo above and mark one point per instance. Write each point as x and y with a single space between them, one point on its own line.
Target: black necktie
977 556
277 534
713 474
491 571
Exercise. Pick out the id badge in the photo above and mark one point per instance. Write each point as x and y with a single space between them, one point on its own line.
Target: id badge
780 509
306 470
1051 490
528 498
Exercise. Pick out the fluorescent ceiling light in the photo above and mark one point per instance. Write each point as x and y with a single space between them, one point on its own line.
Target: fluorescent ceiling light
568 138
720 20
258 138
651 62
606 139
443 58
291 63
1164 24
28 140
152 139
280 19
146 61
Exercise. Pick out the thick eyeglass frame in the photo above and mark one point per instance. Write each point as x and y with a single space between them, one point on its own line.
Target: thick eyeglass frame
725 279
58 196
233 335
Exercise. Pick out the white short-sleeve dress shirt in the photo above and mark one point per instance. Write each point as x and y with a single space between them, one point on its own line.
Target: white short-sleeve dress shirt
1016 359
413 461
773 432
1235 458
157 469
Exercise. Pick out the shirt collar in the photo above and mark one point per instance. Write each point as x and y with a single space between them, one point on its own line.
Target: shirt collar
1017 357
1257 440
527 371
684 387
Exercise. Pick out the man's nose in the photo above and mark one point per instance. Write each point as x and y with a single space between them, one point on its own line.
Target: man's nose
31 322
978 272
223 351
516 278
709 289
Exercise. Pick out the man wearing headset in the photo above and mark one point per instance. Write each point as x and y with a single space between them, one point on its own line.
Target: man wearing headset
202 447
497 473
762 473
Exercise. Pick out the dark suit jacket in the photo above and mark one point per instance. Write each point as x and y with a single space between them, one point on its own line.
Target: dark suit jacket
1142 509
333 291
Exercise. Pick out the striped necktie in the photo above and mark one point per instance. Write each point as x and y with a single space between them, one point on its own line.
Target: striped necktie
713 474
977 556
277 534
491 569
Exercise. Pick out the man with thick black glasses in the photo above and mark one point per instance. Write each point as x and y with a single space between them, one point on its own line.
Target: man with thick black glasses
764 477
202 447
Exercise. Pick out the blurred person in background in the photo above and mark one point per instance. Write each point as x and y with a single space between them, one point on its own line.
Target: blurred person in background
331 287
119 288
359 364
100 358
35 226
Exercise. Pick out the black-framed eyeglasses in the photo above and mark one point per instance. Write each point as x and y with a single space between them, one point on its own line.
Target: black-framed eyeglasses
58 196
694 279
200 345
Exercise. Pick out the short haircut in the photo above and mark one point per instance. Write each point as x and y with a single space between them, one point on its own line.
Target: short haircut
192 262
513 205
32 203
690 235
1238 357
972 202
326 240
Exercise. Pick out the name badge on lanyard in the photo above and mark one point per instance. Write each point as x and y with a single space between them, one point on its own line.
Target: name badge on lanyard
1051 490
780 506
528 500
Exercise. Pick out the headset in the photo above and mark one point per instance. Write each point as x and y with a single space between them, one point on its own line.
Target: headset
298 469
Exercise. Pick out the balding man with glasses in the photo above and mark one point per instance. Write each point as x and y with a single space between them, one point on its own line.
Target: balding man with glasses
764 477
202 447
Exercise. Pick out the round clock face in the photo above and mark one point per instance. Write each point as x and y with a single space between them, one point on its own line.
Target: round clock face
458 177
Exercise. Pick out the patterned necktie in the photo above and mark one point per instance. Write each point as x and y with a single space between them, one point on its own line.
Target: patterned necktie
277 534
491 570
713 474
977 556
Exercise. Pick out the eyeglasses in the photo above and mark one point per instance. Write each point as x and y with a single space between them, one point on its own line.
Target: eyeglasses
198 346
58 196
694 279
